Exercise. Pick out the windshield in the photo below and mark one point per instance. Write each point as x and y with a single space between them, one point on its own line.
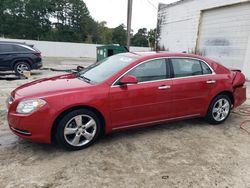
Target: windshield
106 68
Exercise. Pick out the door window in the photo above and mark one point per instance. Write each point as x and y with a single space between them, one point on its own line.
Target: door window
189 67
6 48
205 68
150 71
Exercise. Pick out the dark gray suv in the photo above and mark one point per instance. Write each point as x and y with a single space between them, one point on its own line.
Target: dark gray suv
19 57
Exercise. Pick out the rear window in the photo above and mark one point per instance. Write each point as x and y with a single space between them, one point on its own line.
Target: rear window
21 48
205 69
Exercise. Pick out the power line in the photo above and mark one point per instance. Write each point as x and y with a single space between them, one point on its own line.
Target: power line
152 4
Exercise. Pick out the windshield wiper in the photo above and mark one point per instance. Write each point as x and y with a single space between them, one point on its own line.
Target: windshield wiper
85 78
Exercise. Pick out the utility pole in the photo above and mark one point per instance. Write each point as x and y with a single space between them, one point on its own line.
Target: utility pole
129 18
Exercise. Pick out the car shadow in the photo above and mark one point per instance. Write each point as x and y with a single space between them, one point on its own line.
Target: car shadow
55 149
36 73
177 125
6 73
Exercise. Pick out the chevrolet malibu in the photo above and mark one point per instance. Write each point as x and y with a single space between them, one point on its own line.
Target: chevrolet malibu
121 92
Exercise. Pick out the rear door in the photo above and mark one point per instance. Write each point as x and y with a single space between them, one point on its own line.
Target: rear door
192 81
149 100
6 55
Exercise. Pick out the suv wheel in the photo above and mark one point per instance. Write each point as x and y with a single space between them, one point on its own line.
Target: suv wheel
219 109
20 67
78 129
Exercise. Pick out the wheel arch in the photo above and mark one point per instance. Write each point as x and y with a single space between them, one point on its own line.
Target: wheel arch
56 121
226 92
15 61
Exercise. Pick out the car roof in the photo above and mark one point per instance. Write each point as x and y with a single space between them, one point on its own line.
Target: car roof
17 43
153 54
23 44
9 42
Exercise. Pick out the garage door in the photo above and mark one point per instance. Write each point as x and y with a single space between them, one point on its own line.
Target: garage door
224 34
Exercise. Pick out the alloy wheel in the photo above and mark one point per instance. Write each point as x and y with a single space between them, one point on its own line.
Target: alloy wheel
221 109
80 130
21 68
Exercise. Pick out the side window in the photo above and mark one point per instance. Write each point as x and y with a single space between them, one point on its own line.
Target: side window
205 68
150 71
6 48
186 67
21 48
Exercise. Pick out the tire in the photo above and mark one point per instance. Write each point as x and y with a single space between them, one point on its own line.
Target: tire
20 67
78 129
219 109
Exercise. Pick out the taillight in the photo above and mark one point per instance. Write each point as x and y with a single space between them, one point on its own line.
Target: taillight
38 55
239 80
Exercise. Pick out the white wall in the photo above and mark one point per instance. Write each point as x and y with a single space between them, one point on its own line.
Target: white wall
246 67
180 25
67 49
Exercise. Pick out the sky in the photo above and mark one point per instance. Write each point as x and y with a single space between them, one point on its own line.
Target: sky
114 12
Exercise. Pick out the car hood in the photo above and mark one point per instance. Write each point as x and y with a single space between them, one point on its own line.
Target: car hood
47 86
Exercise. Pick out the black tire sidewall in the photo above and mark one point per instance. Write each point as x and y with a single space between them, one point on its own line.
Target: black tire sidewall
63 122
209 116
18 63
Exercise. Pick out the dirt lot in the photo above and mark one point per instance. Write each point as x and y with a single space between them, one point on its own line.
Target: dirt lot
182 154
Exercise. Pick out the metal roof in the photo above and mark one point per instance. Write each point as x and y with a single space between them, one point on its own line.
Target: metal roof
162 5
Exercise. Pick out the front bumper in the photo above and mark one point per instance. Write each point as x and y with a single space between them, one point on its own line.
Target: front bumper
35 127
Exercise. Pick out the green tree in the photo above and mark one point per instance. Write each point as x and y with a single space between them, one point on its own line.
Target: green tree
73 22
24 18
105 34
140 38
61 20
152 35
37 19
119 35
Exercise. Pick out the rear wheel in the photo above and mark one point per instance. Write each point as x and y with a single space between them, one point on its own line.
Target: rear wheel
78 129
20 67
219 109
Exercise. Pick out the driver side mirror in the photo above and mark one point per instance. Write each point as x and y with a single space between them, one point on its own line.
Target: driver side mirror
128 79
79 68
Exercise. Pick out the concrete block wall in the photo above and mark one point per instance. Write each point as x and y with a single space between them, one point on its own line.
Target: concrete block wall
67 49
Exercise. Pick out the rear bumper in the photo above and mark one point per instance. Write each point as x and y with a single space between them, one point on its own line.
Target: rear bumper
240 96
37 65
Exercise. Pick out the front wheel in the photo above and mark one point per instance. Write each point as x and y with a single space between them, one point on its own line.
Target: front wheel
219 109
78 129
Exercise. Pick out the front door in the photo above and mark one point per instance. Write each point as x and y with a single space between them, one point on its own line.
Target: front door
148 101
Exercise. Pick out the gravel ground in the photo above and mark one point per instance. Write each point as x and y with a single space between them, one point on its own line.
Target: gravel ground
188 153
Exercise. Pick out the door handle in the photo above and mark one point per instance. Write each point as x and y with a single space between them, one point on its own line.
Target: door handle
211 81
164 87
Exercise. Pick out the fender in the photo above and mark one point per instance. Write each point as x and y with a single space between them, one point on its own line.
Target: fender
220 87
13 62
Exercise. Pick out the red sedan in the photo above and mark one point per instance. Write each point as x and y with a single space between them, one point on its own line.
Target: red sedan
121 92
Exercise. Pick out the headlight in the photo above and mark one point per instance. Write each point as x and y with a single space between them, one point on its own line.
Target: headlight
29 106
